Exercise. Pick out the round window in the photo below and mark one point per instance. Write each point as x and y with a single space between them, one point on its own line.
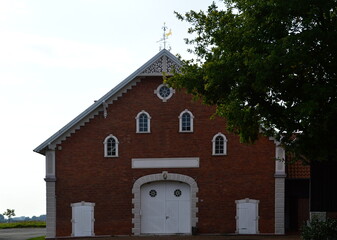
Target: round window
164 92
153 193
177 192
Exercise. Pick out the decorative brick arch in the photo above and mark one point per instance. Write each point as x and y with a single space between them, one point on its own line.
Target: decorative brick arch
164 176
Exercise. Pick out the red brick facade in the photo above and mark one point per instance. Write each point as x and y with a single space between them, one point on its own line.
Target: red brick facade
84 174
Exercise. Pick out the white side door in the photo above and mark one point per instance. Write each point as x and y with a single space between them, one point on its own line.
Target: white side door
83 219
247 216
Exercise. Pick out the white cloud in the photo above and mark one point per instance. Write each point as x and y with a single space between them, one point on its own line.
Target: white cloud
9 9
11 79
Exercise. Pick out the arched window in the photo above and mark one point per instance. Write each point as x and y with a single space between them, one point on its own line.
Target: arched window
111 146
186 121
143 122
219 144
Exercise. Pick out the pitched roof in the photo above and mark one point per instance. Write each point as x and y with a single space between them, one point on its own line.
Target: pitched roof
164 61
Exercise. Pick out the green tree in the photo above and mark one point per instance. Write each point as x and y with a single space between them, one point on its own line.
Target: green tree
268 66
2 218
9 213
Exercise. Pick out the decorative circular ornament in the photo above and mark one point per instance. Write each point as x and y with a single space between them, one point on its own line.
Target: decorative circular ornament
153 193
177 192
164 92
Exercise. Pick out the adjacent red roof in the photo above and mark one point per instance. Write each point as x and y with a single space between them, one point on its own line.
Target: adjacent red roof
297 170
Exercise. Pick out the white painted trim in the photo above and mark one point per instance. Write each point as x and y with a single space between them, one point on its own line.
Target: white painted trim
106 146
171 63
82 204
164 176
148 122
164 99
247 200
50 164
280 167
188 162
181 121
225 145
51 208
87 115
280 176
279 205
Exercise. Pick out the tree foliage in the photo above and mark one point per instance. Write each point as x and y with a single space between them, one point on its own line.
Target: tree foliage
268 66
9 213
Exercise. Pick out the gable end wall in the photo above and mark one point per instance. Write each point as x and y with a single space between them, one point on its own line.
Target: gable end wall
84 174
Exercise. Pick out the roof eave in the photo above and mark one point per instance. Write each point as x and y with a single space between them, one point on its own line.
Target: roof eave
42 148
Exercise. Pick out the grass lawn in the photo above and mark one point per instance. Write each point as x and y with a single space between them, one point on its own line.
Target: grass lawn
37 238
28 224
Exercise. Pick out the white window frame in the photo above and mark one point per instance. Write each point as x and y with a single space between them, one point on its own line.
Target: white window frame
181 121
157 91
214 145
148 122
106 146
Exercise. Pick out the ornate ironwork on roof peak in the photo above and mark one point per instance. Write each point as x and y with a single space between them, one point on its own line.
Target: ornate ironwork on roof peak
163 41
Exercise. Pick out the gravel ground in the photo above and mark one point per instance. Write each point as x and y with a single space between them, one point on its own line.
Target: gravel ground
26 233
21 233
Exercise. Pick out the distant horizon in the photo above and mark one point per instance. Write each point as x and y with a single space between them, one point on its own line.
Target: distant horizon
26 216
23 217
19 216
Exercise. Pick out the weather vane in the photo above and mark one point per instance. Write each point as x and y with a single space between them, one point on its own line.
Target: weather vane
164 41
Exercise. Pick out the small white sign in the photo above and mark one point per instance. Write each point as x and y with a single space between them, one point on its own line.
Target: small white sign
189 162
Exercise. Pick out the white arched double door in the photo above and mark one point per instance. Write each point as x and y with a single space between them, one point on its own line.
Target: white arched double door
165 208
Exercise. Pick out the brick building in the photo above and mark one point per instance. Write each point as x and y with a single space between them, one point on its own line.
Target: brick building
148 159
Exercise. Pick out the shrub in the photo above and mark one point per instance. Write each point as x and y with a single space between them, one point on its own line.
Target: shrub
320 230
27 224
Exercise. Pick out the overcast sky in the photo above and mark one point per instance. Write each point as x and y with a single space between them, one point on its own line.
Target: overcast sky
56 58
